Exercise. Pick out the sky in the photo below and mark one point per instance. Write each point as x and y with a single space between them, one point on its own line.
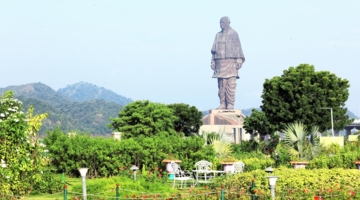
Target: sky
159 50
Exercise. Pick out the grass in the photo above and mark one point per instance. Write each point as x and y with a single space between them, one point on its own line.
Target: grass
106 188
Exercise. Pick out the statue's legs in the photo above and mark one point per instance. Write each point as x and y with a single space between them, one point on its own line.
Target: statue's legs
221 93
227 88
230 90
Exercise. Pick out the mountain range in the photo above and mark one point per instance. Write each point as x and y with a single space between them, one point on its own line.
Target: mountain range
80 107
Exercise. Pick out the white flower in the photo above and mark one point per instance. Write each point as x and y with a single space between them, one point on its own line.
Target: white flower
16 120
3 164
2 115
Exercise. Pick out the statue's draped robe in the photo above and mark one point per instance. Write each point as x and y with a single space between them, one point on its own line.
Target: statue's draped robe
226 51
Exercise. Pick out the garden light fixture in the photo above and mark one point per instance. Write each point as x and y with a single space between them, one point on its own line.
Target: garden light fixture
134 168
83 172
269 170
272 181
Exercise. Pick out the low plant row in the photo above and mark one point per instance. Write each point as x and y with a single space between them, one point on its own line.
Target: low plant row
301 183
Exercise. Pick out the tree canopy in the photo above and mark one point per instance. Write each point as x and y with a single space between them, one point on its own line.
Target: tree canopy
188 118
301 93
258 123
144 118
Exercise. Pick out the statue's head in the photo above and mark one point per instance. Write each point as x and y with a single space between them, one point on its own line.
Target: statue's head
224 23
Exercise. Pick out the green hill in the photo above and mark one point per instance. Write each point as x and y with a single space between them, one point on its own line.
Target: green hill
87 116
83 91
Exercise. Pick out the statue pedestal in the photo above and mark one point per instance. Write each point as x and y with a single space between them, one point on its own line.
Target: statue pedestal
228 122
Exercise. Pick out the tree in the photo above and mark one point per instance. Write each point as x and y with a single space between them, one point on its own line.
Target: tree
299 94
144 118
20 150
258 123
188 118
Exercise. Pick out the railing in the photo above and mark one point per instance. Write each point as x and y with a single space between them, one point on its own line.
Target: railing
253 193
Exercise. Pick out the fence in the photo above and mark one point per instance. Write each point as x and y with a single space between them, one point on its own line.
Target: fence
251 193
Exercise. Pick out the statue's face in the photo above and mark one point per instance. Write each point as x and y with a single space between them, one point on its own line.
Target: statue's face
224 23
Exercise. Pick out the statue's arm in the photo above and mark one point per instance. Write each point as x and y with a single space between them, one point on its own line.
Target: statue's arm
238 63
212 62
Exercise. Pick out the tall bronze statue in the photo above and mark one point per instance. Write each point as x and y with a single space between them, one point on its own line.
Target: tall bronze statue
227 59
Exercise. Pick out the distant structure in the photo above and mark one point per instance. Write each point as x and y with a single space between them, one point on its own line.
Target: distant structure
348 128
116 135
228 122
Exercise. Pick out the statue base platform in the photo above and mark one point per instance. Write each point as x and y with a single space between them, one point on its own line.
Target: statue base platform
228 122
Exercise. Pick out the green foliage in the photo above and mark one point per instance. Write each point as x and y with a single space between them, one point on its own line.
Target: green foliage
299 94
105 157
298 184
300 144
188 118
246 146
144 118
334 156
20 150
257 122
222 147
252 164
105 187
48 184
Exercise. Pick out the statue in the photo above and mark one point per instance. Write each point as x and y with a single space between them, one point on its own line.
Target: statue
227 59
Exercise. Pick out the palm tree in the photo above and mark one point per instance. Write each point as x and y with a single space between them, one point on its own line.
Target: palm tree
300 143
220 144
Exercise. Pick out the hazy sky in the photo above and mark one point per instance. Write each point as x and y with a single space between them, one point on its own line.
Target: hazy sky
160 50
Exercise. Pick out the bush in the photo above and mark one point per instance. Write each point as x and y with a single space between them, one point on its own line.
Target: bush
49 184
252 164
334 156
106 157
300 183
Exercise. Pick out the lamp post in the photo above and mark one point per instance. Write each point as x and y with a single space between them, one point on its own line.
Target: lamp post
134 168
240 133
332 121
272 181
83 172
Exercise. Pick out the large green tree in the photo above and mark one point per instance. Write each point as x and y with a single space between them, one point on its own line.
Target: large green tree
188 118
301 93
257 123
144 118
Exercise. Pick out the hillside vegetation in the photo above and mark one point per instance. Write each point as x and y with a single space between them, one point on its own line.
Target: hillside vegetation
85 115
83 91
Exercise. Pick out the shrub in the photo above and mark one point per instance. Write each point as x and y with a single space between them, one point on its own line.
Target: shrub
300 183
106 157
257 164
